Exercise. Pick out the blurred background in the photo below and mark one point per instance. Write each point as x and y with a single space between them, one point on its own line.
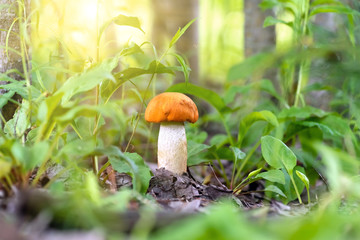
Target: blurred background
67 30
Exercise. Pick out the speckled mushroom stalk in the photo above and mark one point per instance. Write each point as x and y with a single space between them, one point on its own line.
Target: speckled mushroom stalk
172 147
171 110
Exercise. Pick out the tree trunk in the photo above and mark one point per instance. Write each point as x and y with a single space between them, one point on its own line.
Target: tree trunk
257 38
169 15
10 60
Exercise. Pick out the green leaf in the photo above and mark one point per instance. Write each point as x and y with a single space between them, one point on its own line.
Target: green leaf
219 140
320 2
254 173
275 189
108 87
274 175
130 50
303 178
277 154
238 154
288 187
123 20
341 9
17 126
89 79
5 98
30 156
185 68
210 96
179 33
253 117
337 124
195 148
266 4
48 106
77 149
131 163
303 112
270 21
195 151
20 88
83 110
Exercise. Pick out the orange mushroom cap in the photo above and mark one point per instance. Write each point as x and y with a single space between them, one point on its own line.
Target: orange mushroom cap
171 107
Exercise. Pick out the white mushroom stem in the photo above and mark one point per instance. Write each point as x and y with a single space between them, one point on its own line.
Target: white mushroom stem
172 147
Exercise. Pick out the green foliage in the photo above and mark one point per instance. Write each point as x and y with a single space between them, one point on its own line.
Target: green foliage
75 122
279 132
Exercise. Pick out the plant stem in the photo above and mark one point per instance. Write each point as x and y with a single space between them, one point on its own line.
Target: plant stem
298 87
139 114
95 162
248 156
296 190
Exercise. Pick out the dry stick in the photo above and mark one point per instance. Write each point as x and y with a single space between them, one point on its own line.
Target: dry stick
222 168
216 176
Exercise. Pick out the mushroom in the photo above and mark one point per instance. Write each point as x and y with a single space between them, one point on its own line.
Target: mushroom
171 110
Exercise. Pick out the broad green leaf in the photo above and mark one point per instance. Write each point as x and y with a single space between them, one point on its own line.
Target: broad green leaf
288 187
5 98
179 33
253 117
143 172
274 175
210 96
195 148
302 112
270 21
89 79
108 87
267 85
275 189
238 154
123 20
17 126
131 163
341 9
78 148
20 88
195 153
337 124
219 140
77 111
196 136
277 154
30 156
130 50
303 178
